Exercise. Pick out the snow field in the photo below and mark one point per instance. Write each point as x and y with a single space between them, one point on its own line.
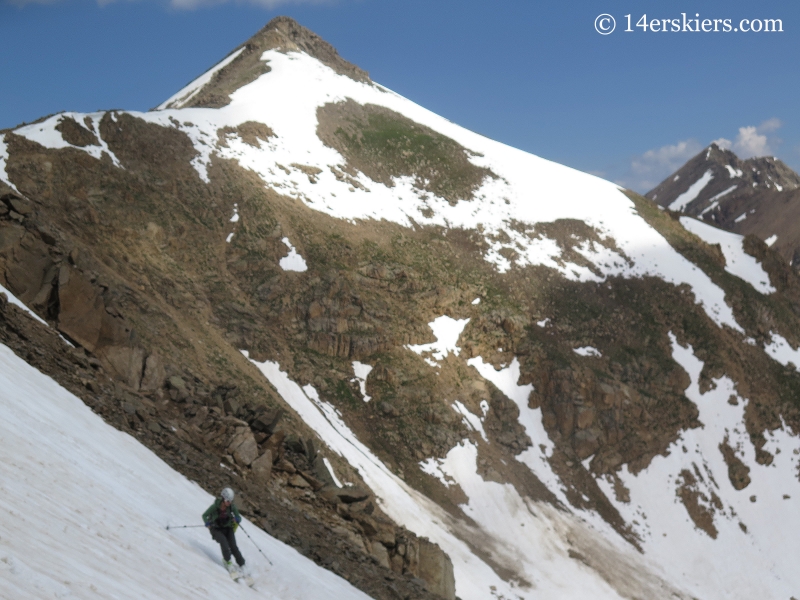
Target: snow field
757 563
83 510
737 261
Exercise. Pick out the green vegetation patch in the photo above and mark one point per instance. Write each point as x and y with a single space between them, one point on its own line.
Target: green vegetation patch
385 145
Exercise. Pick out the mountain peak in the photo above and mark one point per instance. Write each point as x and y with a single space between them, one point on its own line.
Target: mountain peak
735 194
244 65
716 172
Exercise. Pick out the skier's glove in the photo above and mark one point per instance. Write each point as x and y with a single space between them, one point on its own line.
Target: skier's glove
238 519
208 525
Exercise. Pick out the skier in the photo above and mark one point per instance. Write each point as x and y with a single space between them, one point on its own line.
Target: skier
222 519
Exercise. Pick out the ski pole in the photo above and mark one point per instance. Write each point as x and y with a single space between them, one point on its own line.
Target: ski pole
256 545
182 526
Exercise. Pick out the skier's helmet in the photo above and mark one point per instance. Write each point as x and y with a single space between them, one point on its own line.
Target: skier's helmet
227 494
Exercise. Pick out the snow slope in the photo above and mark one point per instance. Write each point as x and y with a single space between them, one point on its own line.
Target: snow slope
757 529
83 510
737 261
531 540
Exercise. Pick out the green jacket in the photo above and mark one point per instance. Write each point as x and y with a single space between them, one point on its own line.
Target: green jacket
212 516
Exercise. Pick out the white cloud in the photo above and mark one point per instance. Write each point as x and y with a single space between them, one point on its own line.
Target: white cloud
723 143
649 169
757 141
770 125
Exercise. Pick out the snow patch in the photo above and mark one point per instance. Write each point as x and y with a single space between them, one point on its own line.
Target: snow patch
18 303
771 240
3 160
733 172
473 422
447 331
361 372
587 351
722 193
292 261
689 195
781 351
737 261
45 134
329 466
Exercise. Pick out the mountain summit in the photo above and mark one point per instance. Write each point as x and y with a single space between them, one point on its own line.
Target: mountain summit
244 65
758 196
433 364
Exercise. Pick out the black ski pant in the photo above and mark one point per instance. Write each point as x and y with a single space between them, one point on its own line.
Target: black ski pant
226 540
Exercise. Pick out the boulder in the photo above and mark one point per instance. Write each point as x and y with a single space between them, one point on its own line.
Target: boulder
125 362
298 481
381 554
153 376
586 442
436 569
243 446
352 494
262 466
266 421
81 308
275 444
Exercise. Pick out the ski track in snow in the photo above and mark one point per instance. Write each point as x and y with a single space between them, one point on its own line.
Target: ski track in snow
83 511
528 189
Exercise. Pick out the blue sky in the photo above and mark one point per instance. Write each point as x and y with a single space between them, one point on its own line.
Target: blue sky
630 106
